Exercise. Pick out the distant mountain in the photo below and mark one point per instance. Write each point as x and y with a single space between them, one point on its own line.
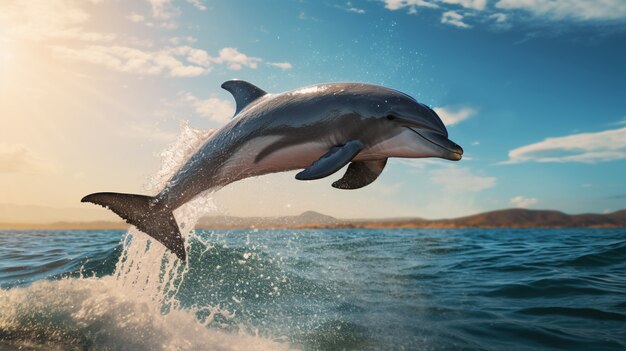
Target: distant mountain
509 218
307 219
523 218
619 216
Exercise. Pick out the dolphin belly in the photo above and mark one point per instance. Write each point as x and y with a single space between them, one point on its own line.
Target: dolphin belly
244 162
293 157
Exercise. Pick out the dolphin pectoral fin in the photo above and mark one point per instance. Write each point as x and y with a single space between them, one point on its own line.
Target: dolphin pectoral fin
332 161
360 174
243 92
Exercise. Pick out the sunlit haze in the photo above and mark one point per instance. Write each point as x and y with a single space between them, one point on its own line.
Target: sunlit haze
92 91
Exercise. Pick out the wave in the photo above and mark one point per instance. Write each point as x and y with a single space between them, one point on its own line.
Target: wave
54 255
279 289
549 288
611 254
591 313
102 314
136 296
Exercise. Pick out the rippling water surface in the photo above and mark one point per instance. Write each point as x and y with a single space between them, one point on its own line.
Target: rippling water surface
413 289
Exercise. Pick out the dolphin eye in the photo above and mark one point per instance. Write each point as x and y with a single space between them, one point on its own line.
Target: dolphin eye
391 117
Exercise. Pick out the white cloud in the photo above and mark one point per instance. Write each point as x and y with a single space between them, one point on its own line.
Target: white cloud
179 61
282 65
500 12
523 202
136 18
165 12
193 55
350 8
596 147
215 109
500 21
18 158
197 4
454 18
39 20
132 60
460 179
64 20
453 115
356 10
582 10
470 4
163 9
499 17
179 40
411 4
235 59
185 71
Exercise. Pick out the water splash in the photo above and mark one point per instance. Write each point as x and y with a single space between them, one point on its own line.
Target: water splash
174 156
136 268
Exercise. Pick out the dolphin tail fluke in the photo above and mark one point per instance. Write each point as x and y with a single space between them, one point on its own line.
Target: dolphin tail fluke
145 213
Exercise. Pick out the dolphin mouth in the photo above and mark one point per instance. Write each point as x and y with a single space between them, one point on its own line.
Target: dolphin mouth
454 151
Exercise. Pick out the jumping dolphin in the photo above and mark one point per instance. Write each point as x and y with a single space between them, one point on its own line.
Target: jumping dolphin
320 128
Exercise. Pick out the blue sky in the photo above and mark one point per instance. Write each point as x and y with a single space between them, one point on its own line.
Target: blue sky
535 92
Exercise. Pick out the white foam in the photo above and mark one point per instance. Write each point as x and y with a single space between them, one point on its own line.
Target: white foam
102 314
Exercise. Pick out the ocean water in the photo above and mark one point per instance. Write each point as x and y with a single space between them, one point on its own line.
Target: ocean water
344 289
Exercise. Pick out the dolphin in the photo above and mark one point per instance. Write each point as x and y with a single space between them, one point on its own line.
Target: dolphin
318 128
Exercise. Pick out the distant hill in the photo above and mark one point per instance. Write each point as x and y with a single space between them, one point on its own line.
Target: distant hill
520 218
307 219
618 216
509 218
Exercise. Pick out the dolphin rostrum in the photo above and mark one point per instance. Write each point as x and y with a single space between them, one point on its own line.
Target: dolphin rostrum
320 128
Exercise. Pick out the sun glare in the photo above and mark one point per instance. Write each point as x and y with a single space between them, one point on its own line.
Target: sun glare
5 53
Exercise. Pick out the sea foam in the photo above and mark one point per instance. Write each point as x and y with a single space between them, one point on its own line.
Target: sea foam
103 314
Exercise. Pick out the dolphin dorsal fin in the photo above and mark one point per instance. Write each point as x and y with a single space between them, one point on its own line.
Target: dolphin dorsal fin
243 92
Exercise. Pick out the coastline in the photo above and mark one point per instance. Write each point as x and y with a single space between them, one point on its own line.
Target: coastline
508 218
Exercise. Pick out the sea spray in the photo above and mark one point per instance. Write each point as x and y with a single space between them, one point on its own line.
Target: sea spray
136 266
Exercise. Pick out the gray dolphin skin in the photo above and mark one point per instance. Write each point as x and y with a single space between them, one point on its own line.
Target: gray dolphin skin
319 128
